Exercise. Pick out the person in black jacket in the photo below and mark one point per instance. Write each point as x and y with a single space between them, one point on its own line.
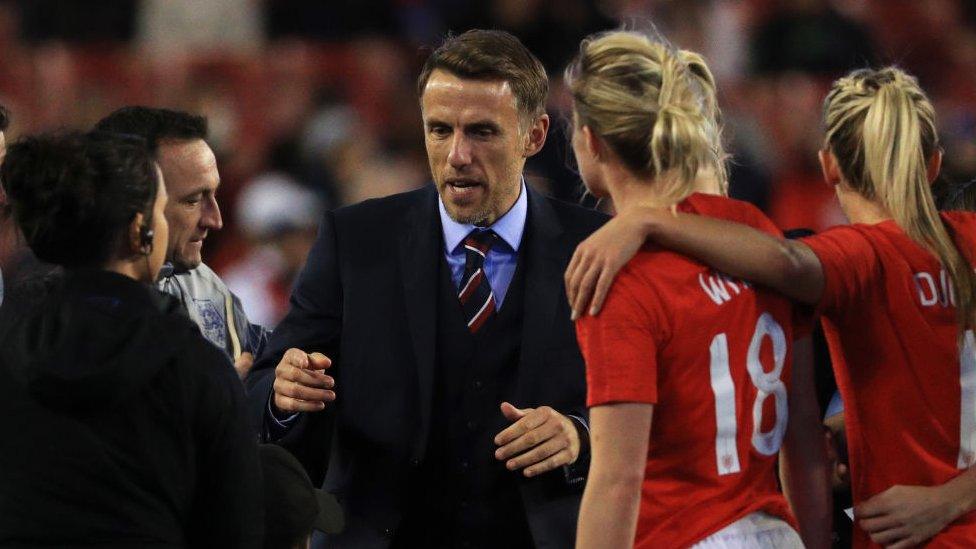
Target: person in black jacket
122 425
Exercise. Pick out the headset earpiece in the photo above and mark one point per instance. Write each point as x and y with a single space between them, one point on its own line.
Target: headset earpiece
146 238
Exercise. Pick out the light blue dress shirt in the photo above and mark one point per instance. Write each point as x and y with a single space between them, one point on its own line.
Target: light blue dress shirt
503 256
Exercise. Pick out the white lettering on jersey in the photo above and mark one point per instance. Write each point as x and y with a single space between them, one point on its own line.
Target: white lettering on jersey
932 293
717 285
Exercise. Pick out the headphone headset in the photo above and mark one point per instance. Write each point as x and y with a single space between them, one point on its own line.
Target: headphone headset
146 239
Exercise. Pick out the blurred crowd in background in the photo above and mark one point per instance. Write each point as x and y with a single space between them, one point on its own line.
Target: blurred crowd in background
312 104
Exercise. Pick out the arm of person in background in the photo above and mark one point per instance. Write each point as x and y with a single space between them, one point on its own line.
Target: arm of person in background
787 266
906 516
289 377
611 500
804 468
228 503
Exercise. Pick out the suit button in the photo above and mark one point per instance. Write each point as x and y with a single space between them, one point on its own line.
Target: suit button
415 462
388 532
465 465
476 384
472 425
464 504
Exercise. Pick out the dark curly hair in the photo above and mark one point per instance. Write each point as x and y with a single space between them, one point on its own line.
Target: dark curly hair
73 195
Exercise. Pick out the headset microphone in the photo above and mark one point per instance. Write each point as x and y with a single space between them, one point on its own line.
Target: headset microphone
146 238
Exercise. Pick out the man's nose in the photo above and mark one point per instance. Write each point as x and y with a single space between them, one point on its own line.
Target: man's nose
211 215
460 154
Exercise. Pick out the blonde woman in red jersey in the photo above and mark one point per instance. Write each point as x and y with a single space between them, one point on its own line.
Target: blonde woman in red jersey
708 356
897 292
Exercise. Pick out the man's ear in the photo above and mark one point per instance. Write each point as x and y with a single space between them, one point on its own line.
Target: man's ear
536 136
133 240
829 167
934 166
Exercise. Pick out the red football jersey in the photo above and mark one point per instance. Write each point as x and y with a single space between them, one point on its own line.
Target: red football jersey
713 355
909 401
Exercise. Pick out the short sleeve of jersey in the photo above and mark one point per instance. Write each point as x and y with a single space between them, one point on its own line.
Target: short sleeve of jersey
620 344
849 263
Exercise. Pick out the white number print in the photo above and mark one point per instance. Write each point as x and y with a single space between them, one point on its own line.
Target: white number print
767 384
967 403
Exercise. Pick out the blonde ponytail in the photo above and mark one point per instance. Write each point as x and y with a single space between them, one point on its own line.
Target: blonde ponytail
654 106
881 127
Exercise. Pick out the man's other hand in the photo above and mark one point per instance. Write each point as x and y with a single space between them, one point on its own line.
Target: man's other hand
539 440
301 384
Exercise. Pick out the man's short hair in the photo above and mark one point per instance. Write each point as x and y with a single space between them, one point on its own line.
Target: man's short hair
154 125
492 55
4 119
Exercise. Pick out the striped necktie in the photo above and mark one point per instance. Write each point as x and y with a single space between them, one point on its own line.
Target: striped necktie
477 299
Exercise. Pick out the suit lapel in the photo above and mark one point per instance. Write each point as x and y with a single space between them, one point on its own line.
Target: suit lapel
419 245
543 288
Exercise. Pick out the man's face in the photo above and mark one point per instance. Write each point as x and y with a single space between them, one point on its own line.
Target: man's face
475 145
190 171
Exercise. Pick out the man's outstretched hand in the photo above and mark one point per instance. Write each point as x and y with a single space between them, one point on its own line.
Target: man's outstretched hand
301 384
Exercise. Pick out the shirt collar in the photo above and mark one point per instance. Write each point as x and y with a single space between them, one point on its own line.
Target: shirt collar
509 227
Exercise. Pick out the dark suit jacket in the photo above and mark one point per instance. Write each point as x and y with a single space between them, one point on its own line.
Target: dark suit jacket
367 299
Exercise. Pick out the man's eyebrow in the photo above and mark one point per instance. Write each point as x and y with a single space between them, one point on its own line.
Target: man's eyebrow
483 124
198 190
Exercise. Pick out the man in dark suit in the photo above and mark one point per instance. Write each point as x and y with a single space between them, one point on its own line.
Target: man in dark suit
428 364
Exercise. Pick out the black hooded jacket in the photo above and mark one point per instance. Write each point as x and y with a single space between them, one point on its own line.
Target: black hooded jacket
120 425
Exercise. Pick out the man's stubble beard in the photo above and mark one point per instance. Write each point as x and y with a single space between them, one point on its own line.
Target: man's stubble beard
478 217
492 204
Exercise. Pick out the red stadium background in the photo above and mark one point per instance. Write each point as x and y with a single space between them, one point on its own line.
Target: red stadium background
312 104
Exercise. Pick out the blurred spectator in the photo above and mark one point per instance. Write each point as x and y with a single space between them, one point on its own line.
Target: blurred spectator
332 20
324 91
810 35
280 219
326 135
551 30
167 26
91 21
